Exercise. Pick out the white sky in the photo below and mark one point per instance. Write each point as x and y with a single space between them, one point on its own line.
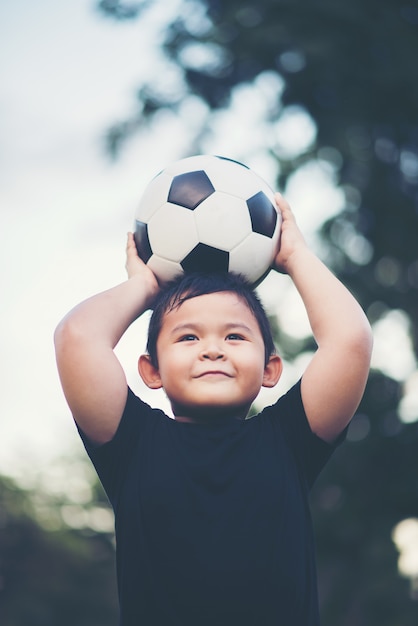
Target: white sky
66 75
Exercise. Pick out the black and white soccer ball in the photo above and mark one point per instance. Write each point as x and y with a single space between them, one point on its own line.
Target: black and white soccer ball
207 213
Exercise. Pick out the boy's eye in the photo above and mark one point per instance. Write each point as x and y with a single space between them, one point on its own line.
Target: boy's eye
235 337
189 337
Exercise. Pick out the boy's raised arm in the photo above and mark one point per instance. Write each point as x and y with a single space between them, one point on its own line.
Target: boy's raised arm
334 381
92 378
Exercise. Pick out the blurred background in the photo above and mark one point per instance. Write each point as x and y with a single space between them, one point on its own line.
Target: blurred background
320 97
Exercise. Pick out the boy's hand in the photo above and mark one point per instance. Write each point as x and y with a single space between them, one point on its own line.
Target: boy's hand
135 266
291 239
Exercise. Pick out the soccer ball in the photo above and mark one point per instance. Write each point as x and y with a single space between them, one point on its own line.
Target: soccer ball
207 213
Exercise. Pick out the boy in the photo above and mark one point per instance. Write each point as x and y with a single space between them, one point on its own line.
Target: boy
211 509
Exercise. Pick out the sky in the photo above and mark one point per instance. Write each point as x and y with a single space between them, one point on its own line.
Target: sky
67 74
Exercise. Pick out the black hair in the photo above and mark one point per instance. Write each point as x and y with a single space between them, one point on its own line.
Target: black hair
191 285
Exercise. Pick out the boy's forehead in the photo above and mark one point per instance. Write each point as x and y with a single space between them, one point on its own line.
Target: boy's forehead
217 303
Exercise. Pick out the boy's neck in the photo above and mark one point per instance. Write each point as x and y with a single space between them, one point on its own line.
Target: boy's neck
215 416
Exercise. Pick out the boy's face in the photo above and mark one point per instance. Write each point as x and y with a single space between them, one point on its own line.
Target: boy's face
211 358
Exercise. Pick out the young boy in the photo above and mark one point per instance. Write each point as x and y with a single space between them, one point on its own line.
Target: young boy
211 509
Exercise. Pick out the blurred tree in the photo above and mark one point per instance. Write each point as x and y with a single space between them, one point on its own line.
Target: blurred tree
362 494
352 67
47 577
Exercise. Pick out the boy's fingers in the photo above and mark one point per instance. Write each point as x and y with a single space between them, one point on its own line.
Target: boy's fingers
281 203
130 244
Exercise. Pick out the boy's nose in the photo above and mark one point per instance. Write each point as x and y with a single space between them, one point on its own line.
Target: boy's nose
212 352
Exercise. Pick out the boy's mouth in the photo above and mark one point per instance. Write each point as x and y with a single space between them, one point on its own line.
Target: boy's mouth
214 373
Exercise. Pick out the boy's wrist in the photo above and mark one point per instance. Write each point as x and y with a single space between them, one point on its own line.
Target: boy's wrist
300 257
145 286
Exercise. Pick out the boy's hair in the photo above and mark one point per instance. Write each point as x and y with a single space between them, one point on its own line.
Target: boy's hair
196 284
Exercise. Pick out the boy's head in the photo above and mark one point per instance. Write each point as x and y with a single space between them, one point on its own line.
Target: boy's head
209 347
197 284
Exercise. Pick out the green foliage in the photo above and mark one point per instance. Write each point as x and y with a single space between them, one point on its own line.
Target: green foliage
122 10
65 576
352 66
362 494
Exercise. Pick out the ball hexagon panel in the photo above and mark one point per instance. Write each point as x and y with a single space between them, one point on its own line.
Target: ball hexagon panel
204 258
172 232
154 196
164 269
190 189
222 228
263 214
223 158
255 253
235 178
189 164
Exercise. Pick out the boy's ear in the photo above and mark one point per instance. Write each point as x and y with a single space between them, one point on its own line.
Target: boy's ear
272 371
148 372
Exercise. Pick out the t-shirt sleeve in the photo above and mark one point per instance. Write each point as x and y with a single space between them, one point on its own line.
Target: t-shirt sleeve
112 459
311 452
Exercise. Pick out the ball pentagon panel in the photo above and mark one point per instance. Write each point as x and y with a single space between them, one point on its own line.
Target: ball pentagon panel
142 240
263 214
204 258
190 189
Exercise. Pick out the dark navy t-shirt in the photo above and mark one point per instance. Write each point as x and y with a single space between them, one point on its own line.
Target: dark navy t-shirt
212 520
